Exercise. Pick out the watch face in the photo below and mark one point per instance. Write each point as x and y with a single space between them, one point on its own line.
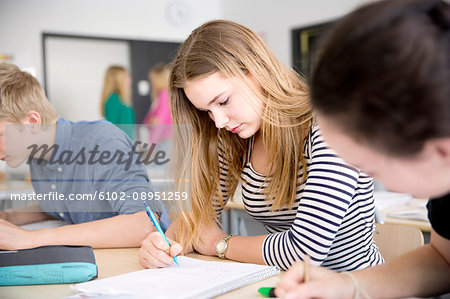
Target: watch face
221 245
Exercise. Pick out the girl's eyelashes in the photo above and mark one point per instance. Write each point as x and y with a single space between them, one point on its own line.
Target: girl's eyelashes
225 102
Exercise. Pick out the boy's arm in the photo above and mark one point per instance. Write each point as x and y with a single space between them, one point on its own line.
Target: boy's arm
126 230
24 215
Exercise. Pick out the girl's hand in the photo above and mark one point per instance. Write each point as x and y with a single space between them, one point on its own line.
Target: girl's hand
156 253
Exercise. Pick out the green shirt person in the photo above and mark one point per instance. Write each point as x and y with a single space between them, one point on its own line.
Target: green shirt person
115 104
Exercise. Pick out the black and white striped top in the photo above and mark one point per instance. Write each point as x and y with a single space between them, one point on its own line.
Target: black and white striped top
332 219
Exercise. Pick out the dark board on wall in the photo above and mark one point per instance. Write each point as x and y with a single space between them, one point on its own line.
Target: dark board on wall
144 55
305 42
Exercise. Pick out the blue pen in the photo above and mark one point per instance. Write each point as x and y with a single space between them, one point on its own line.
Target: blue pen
158 227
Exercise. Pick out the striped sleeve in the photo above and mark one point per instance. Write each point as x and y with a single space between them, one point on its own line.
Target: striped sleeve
325 198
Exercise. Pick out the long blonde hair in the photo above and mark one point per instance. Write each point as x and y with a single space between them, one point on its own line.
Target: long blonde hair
236 51
115 81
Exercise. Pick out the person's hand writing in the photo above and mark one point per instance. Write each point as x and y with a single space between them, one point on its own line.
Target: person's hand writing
156 253
13 237
322 283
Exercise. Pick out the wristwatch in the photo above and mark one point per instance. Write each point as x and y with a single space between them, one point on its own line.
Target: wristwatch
222 246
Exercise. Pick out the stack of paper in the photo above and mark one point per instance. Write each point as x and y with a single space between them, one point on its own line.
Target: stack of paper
385 199
414 214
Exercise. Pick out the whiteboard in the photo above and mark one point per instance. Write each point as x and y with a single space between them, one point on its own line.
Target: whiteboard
75 69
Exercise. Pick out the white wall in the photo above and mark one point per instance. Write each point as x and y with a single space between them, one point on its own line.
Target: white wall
23 21
275 19
75 73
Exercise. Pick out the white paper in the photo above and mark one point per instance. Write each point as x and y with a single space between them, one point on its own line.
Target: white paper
414 214
385 199
193 279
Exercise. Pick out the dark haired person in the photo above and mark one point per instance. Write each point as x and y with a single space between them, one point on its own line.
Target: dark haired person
381 90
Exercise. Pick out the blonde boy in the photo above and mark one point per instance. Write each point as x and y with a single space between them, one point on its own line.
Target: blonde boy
100 200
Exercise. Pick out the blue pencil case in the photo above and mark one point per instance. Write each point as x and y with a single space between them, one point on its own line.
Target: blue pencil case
47 265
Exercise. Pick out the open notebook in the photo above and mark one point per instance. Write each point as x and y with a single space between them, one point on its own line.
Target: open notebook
193 279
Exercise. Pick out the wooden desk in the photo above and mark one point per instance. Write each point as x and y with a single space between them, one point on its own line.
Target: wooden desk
113 262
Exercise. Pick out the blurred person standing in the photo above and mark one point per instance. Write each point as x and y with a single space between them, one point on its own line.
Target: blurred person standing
158 116
116 99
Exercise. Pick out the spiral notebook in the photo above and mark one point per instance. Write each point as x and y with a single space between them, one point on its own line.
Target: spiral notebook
193 279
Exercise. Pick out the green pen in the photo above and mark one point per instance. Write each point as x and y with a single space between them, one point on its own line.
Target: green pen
267 292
